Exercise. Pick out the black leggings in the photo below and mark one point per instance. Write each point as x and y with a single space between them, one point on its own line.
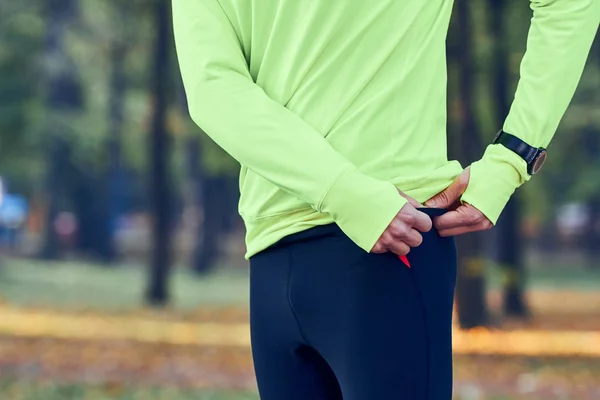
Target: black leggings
330 321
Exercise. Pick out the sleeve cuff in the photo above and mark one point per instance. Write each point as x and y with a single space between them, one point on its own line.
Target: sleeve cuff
493 179
362 206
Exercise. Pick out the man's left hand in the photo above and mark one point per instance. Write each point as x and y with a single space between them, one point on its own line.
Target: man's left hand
462 217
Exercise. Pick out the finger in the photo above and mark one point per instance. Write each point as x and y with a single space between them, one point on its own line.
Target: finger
453 192
411 201
455 205
421 221
413 238
398 247
461 230
405 233
462 216
450 220
379 248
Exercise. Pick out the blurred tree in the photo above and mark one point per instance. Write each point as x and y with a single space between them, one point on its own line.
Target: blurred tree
73 182
21 43
470 290
510 242
109 187
157 291
69 142
194 188
205 244
64 97
591 139
566 178
211 193
219 209
112 45
119 47
212 200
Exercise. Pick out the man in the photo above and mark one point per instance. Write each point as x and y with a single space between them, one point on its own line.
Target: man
336 111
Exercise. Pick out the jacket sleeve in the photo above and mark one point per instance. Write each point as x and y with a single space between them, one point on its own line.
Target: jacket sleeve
265 136
559 41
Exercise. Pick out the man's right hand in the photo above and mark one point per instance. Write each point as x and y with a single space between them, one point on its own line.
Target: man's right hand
404 232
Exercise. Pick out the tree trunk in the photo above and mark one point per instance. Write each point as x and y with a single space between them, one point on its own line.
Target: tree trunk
593 145
199 204
510 249
64 96
157 291
114 207
470 290
591 237
220 216
592 234
201 261
199 185
58 152
510 259
207 253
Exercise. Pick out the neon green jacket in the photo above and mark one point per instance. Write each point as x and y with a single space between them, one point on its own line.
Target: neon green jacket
330 105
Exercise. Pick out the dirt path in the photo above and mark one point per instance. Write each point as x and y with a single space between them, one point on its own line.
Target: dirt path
147 329
135 363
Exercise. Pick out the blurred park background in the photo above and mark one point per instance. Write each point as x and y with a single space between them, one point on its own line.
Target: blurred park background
121 251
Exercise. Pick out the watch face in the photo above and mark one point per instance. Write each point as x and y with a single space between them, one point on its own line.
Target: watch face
539 162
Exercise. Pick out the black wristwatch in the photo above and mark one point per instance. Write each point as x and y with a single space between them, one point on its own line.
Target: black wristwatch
533 156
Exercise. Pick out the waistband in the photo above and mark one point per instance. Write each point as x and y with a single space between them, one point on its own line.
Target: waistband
335 230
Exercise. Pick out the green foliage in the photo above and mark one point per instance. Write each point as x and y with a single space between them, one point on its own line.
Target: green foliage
573 166
215 160
20 43
102 25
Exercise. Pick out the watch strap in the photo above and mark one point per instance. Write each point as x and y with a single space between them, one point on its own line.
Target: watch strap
511 142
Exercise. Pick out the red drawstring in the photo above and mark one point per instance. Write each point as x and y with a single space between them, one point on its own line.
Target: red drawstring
405 260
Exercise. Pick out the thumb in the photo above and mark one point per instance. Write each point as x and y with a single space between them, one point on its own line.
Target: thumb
452 193
411 201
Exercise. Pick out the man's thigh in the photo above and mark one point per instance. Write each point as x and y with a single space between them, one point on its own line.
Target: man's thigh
385 333
285 366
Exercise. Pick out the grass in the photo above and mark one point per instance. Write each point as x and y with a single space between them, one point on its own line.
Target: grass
555 277
67 285
29 390
77 285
